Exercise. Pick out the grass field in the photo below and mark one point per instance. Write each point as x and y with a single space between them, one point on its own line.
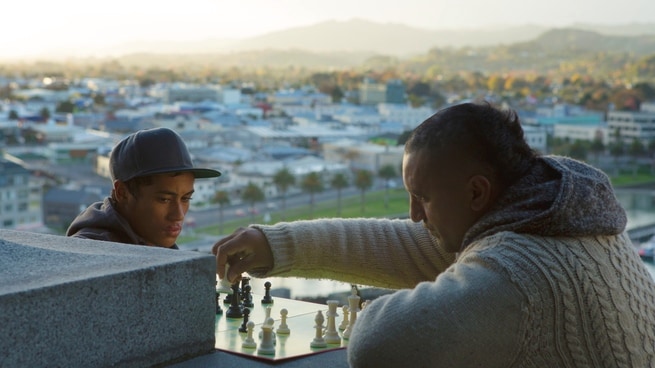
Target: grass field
398 205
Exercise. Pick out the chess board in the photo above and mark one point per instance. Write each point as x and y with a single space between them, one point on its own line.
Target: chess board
300 320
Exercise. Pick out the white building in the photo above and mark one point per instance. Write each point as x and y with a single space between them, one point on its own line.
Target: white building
536 138
632 125
362 155
582 132
410 117
20 196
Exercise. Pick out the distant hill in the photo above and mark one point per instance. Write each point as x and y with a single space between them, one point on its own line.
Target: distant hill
567 39
388 38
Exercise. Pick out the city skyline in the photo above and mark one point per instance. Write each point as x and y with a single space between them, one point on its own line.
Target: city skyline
39 27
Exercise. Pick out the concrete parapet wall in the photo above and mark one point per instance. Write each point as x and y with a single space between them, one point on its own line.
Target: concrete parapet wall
68 302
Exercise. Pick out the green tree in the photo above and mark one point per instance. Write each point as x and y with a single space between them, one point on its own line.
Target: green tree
222 198
617 150
339 181
597 147
65 107
44 113
312 184
387 172
252 194
578 150
363 181
13 115
636 150
283 180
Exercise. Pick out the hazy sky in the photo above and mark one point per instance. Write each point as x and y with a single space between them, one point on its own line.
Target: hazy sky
31 27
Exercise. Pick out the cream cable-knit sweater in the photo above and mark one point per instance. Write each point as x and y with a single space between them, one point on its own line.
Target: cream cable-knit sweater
546 279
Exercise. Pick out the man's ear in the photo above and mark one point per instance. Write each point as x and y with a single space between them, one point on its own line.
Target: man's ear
120 192
481 193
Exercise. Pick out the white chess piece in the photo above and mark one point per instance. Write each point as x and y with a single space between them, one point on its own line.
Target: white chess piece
269 321
267 346
319 341
331 334
283 329
249 342
344 321
353 307
224 284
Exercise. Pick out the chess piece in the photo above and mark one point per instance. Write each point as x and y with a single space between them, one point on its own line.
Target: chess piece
247 296
245 281
353 307
267 345
246 313
234 311
269 320
224 285
331 334
319 341
345 321
267 299
249 342
283 329
218 303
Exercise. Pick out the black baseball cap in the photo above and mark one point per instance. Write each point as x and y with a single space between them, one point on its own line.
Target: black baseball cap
153 151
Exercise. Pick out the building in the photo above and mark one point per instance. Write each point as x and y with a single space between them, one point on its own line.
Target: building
372 93
62 205
363 156
395 92
631 125
20 196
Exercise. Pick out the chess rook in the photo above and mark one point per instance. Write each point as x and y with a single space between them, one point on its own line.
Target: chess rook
331 334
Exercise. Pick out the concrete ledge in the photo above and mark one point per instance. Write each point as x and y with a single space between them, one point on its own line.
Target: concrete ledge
75 302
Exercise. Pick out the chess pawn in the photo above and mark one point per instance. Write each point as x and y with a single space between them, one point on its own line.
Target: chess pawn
267 299
331 334
353 307
345 321
269 321
319 341
244 325
283 329
249 342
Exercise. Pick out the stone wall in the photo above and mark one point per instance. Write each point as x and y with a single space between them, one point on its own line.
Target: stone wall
68 302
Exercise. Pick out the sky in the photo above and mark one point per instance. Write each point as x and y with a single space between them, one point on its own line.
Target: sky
32 27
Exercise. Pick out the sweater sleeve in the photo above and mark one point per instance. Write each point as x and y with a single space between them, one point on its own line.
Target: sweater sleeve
376 252
470 316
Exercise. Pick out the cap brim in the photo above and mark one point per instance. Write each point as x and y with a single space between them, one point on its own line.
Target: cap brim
197 173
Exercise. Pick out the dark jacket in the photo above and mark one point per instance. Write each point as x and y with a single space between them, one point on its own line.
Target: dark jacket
101 221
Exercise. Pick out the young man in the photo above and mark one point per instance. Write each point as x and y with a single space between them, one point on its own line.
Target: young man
510 258
153 177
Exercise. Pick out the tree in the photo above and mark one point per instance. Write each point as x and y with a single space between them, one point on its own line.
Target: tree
363 181
44 113
222 198
283 179
13 115
636 150
387 172
252 194
65 107
597 147
312 184
339 181
617 150
578 150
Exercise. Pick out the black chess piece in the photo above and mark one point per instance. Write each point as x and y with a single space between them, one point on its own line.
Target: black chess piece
219 310
247 296
234 311
244 281
246 313
267 299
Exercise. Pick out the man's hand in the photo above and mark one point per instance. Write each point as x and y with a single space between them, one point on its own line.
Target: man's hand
244 250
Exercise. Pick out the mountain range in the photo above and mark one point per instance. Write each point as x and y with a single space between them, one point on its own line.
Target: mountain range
362 36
